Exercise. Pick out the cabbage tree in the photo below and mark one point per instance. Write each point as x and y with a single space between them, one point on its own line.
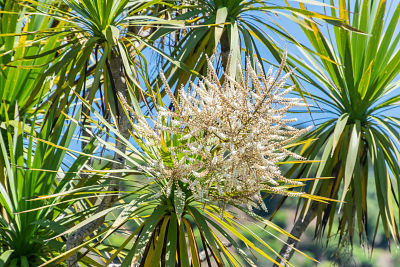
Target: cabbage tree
357 138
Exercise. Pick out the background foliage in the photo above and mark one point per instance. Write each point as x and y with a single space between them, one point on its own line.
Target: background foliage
69 69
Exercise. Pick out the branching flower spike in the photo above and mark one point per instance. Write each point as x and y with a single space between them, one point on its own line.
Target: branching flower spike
232 135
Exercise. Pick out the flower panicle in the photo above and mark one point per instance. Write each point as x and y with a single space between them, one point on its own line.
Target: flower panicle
231 134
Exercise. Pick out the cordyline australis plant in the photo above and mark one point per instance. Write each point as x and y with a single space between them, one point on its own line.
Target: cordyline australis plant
220 144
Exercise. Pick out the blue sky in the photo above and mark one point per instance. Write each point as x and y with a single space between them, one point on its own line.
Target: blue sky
295 31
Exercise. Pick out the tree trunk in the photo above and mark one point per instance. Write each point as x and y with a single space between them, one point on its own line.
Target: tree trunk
123 124
122 90
225 49
298 229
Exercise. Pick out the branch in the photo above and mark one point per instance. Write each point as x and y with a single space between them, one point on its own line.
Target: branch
123 125
298 229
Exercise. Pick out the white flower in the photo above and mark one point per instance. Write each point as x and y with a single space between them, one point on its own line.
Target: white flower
233 135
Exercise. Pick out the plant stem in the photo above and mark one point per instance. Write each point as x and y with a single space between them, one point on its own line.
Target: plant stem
225 49
298 229
123 124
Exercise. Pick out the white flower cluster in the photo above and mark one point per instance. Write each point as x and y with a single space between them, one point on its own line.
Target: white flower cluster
229 136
